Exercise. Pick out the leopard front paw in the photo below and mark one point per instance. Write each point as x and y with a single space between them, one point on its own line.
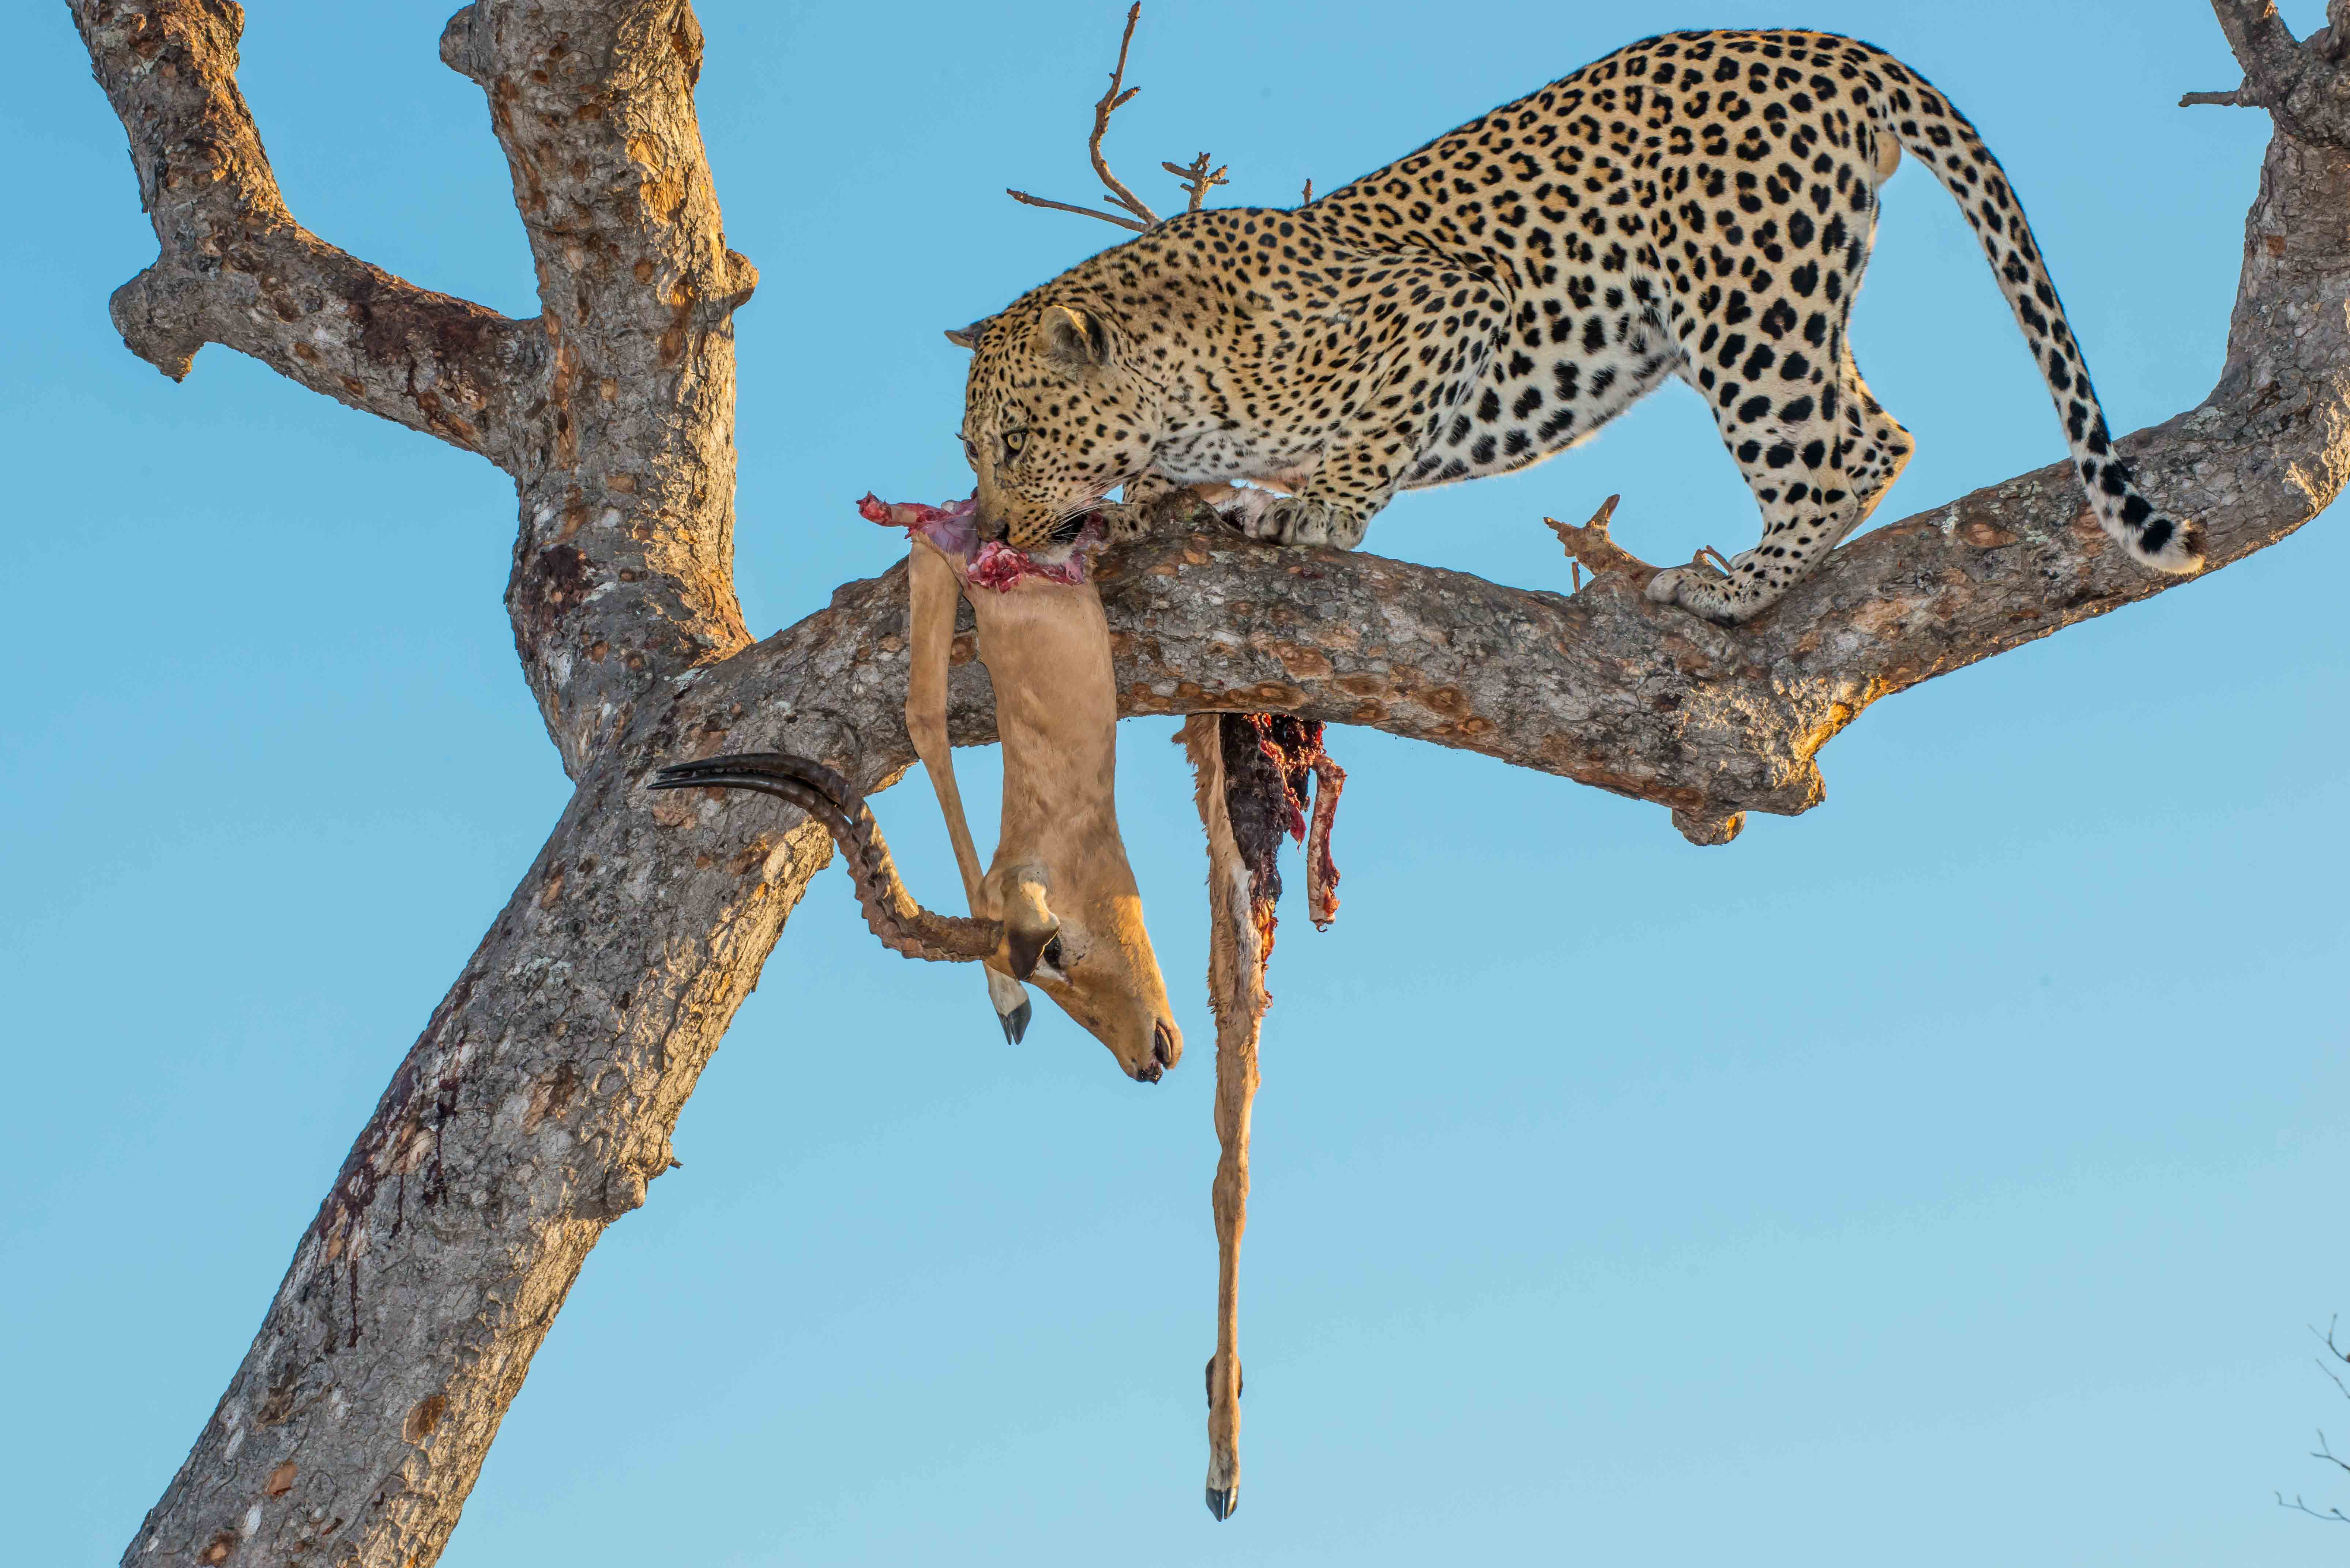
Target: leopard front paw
1148 487
1701 593
1294 519
1127 520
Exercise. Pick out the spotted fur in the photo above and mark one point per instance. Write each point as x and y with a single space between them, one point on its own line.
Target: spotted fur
1698 205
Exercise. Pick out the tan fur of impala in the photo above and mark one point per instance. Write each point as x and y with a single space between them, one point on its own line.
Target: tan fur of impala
1236 991
1060 868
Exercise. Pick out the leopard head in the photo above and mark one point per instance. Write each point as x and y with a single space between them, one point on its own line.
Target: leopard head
1055 418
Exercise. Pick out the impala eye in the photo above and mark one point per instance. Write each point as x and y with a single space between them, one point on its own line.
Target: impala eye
1052 954
970 453
1067 533
1013 442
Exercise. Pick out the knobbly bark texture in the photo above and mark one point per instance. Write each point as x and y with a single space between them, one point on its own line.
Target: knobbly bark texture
539 1099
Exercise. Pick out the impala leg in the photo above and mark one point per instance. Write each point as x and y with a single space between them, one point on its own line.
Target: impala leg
1236 1081
1235 987
931 595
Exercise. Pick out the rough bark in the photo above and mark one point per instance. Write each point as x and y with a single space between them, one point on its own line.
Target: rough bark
236 268
624 573
538 1101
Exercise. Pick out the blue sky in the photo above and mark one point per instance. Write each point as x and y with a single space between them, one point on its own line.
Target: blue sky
1992 1235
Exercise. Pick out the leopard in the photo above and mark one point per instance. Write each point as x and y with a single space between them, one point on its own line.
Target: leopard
1698 205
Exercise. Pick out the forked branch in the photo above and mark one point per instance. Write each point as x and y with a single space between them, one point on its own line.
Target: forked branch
237 270
1135 214
2300 83
1198 179
2335 1358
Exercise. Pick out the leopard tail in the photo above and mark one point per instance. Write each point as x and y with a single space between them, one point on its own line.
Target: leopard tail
1932 129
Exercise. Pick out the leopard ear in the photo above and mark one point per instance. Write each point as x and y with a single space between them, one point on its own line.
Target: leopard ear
968 337
1071 339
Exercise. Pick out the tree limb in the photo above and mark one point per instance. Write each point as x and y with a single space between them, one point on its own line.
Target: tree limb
237 270
624 574
2299 85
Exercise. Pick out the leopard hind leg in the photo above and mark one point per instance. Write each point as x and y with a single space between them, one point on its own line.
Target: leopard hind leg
1817 450
1877 447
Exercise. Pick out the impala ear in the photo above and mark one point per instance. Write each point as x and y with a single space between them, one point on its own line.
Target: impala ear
1072 340
1028 922
968 337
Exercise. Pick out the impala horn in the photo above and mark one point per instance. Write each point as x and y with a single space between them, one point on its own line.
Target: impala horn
903 925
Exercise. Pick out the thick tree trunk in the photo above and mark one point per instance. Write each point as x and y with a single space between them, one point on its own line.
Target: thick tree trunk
538 1102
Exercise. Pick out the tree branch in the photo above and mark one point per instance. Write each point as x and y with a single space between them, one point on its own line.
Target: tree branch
1109 103
624 573
2301 86
237 270
1197 178
1134 225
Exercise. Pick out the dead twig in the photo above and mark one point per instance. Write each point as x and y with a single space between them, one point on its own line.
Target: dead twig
1024 199
1307 199
1117 97
2339 1354
2235 98
2331 1516
2325 1450
1198 177
1110 103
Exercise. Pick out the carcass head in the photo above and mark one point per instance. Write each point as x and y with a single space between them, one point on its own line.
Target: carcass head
1081 937
1083 943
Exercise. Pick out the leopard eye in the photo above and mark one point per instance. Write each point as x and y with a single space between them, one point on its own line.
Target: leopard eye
1013 442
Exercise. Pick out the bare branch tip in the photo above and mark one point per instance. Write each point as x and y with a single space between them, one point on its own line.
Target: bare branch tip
2236 97
1025 200
1198 177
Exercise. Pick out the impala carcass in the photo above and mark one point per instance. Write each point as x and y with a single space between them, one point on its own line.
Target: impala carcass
1059 905
1253 770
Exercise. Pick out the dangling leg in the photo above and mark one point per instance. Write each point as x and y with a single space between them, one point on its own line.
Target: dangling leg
1236 955
932 593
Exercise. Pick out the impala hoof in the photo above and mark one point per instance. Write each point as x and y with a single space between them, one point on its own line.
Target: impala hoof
1222 1500
1016 1023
